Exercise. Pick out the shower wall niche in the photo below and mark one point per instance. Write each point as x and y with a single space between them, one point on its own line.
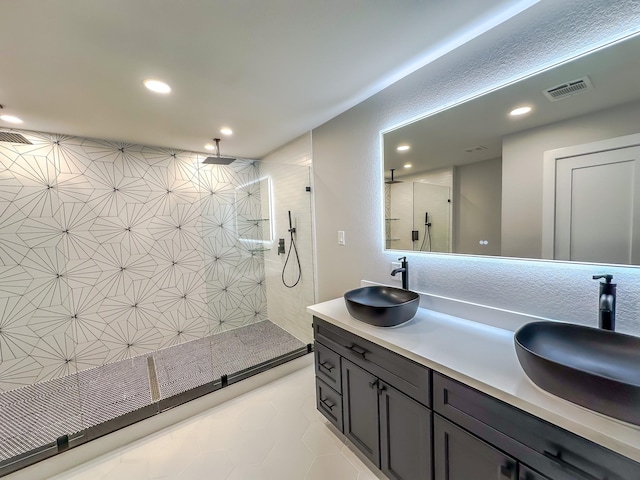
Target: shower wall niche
130 275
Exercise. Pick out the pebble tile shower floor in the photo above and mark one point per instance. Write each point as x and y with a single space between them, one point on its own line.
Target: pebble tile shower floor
271 433
36 415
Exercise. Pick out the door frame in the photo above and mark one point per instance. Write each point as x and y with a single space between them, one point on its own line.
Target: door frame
551 157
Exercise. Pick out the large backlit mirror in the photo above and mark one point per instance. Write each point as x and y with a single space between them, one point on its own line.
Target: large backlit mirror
559 181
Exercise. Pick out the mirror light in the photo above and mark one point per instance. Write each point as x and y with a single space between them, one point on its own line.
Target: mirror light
403 148
157 86
520 111
10 119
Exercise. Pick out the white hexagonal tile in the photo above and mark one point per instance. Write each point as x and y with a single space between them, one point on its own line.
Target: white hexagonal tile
332 466
258 417
251 447
289 460
249 472
209 465
320 440
291 426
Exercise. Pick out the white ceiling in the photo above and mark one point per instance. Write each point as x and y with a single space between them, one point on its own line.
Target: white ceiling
271 70
440 141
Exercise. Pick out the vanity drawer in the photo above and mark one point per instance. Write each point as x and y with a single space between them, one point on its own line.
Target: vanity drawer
329 402
405 375
328 366
551 450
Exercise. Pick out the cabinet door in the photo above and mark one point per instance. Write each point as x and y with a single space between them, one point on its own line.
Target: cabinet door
405 436
458 455
360 409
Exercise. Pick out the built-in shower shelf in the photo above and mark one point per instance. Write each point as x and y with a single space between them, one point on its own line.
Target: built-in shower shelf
257 220
393 239
256 250
391 219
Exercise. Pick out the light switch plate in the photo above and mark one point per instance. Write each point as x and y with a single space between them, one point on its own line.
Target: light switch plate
341 237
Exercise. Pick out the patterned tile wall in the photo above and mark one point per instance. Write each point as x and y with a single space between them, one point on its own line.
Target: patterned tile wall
110 250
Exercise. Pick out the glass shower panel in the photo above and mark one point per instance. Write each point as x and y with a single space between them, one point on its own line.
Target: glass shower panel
39 394
431 217
289 269
182 361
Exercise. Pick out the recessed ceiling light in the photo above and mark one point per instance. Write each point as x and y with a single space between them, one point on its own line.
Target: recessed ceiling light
10 119
226 131
407 165
520 111
403 148
157 86
210 146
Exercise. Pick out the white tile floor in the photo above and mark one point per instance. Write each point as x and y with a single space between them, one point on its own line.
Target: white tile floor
273 432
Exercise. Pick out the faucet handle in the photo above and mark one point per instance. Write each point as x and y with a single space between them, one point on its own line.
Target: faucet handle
607 277
402 259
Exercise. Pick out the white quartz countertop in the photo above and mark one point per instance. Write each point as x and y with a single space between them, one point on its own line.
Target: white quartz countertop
484 357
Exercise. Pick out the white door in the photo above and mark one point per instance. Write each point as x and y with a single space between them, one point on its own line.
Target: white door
596 212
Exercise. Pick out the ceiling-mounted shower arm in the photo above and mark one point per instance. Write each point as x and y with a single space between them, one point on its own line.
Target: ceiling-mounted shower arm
393 180
218 159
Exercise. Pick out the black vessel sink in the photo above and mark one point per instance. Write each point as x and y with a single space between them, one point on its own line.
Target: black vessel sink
595 368
382 306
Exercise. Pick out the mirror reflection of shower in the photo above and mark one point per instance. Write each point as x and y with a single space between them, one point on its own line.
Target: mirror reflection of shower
426 238
418 212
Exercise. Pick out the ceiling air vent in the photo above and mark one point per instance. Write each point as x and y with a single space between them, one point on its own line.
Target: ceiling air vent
13 138
568 89
477 148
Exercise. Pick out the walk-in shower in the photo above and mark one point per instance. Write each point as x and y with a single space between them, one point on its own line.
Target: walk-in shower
134 279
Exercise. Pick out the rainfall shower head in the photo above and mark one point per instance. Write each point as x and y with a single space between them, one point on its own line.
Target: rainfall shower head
388 182
218 160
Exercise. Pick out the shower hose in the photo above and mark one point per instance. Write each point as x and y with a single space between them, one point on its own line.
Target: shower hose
292 246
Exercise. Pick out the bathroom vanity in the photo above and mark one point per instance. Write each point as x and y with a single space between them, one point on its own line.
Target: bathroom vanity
445 398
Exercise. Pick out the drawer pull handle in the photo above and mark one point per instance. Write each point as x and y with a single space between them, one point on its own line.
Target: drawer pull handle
582 475
358 351
328 404
327 366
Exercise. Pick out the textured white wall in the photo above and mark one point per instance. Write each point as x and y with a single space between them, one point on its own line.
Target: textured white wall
348 171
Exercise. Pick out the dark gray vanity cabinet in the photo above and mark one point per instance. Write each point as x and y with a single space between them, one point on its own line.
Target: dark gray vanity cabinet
461 456
542 450
416 424
392 428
